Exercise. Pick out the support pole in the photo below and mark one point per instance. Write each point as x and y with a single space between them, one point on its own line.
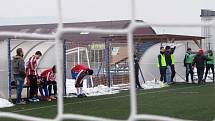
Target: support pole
9 67
78 54
64 67
213 36
88 62
107 60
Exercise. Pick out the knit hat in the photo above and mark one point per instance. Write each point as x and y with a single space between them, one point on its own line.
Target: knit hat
201 51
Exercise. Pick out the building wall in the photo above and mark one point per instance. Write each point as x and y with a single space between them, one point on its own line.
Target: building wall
206 31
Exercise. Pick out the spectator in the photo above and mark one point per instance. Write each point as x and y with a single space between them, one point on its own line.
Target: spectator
168 64
188 60
162 65
18 70
209 64
136 69
199 61
172 63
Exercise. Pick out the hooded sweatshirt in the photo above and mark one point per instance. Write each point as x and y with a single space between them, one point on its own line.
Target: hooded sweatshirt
18 66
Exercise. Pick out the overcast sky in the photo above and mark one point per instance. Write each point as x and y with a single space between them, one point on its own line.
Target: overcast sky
162 11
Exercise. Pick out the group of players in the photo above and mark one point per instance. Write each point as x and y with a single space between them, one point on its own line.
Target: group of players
44 81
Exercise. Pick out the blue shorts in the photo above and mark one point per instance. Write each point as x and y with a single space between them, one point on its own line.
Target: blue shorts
74 75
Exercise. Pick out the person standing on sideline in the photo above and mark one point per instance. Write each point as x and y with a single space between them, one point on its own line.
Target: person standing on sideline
32 75
188 60
18 70
172 66
162 65
168 64
136 70
200 60
209 64
79 72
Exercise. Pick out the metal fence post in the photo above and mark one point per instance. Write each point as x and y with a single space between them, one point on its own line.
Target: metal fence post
9 67
107 62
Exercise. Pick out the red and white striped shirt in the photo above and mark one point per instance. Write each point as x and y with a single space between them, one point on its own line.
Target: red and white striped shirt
32 66
48 74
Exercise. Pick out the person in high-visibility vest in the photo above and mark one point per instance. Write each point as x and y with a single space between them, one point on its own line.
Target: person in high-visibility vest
162 65
173 63
209 64
188 60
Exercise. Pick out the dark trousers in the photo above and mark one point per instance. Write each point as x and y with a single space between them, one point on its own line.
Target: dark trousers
163 74
200 72
172 72
50 85
189 70
208 67
33 85
136 67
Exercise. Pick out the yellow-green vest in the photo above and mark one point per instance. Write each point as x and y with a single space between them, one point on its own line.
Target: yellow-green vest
163 60
189 58
172 59
211 61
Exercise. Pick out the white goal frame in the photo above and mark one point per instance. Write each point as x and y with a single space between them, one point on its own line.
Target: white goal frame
59 50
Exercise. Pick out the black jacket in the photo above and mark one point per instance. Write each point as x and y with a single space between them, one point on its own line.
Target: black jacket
200 61
136 62
168 56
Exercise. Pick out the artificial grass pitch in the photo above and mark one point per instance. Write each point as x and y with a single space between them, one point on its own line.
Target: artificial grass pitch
186 101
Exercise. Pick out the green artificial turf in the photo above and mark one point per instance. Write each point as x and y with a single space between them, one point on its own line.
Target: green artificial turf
186 101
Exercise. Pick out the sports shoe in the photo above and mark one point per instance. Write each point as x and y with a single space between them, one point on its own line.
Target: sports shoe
37 100
48 99
84 95
30 100
80 96
21 103
52 97
55 96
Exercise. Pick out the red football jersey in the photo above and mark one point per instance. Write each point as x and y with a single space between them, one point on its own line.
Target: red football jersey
32 66
79 67
48 74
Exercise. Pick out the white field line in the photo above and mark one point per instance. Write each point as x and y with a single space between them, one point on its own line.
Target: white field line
167 90
185 92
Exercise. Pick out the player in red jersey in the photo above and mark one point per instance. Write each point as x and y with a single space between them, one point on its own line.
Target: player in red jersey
79 72
48 78
32 75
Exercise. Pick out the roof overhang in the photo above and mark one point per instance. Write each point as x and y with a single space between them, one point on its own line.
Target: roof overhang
159 37
50 29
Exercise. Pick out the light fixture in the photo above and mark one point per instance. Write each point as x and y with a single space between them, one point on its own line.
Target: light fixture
84 32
